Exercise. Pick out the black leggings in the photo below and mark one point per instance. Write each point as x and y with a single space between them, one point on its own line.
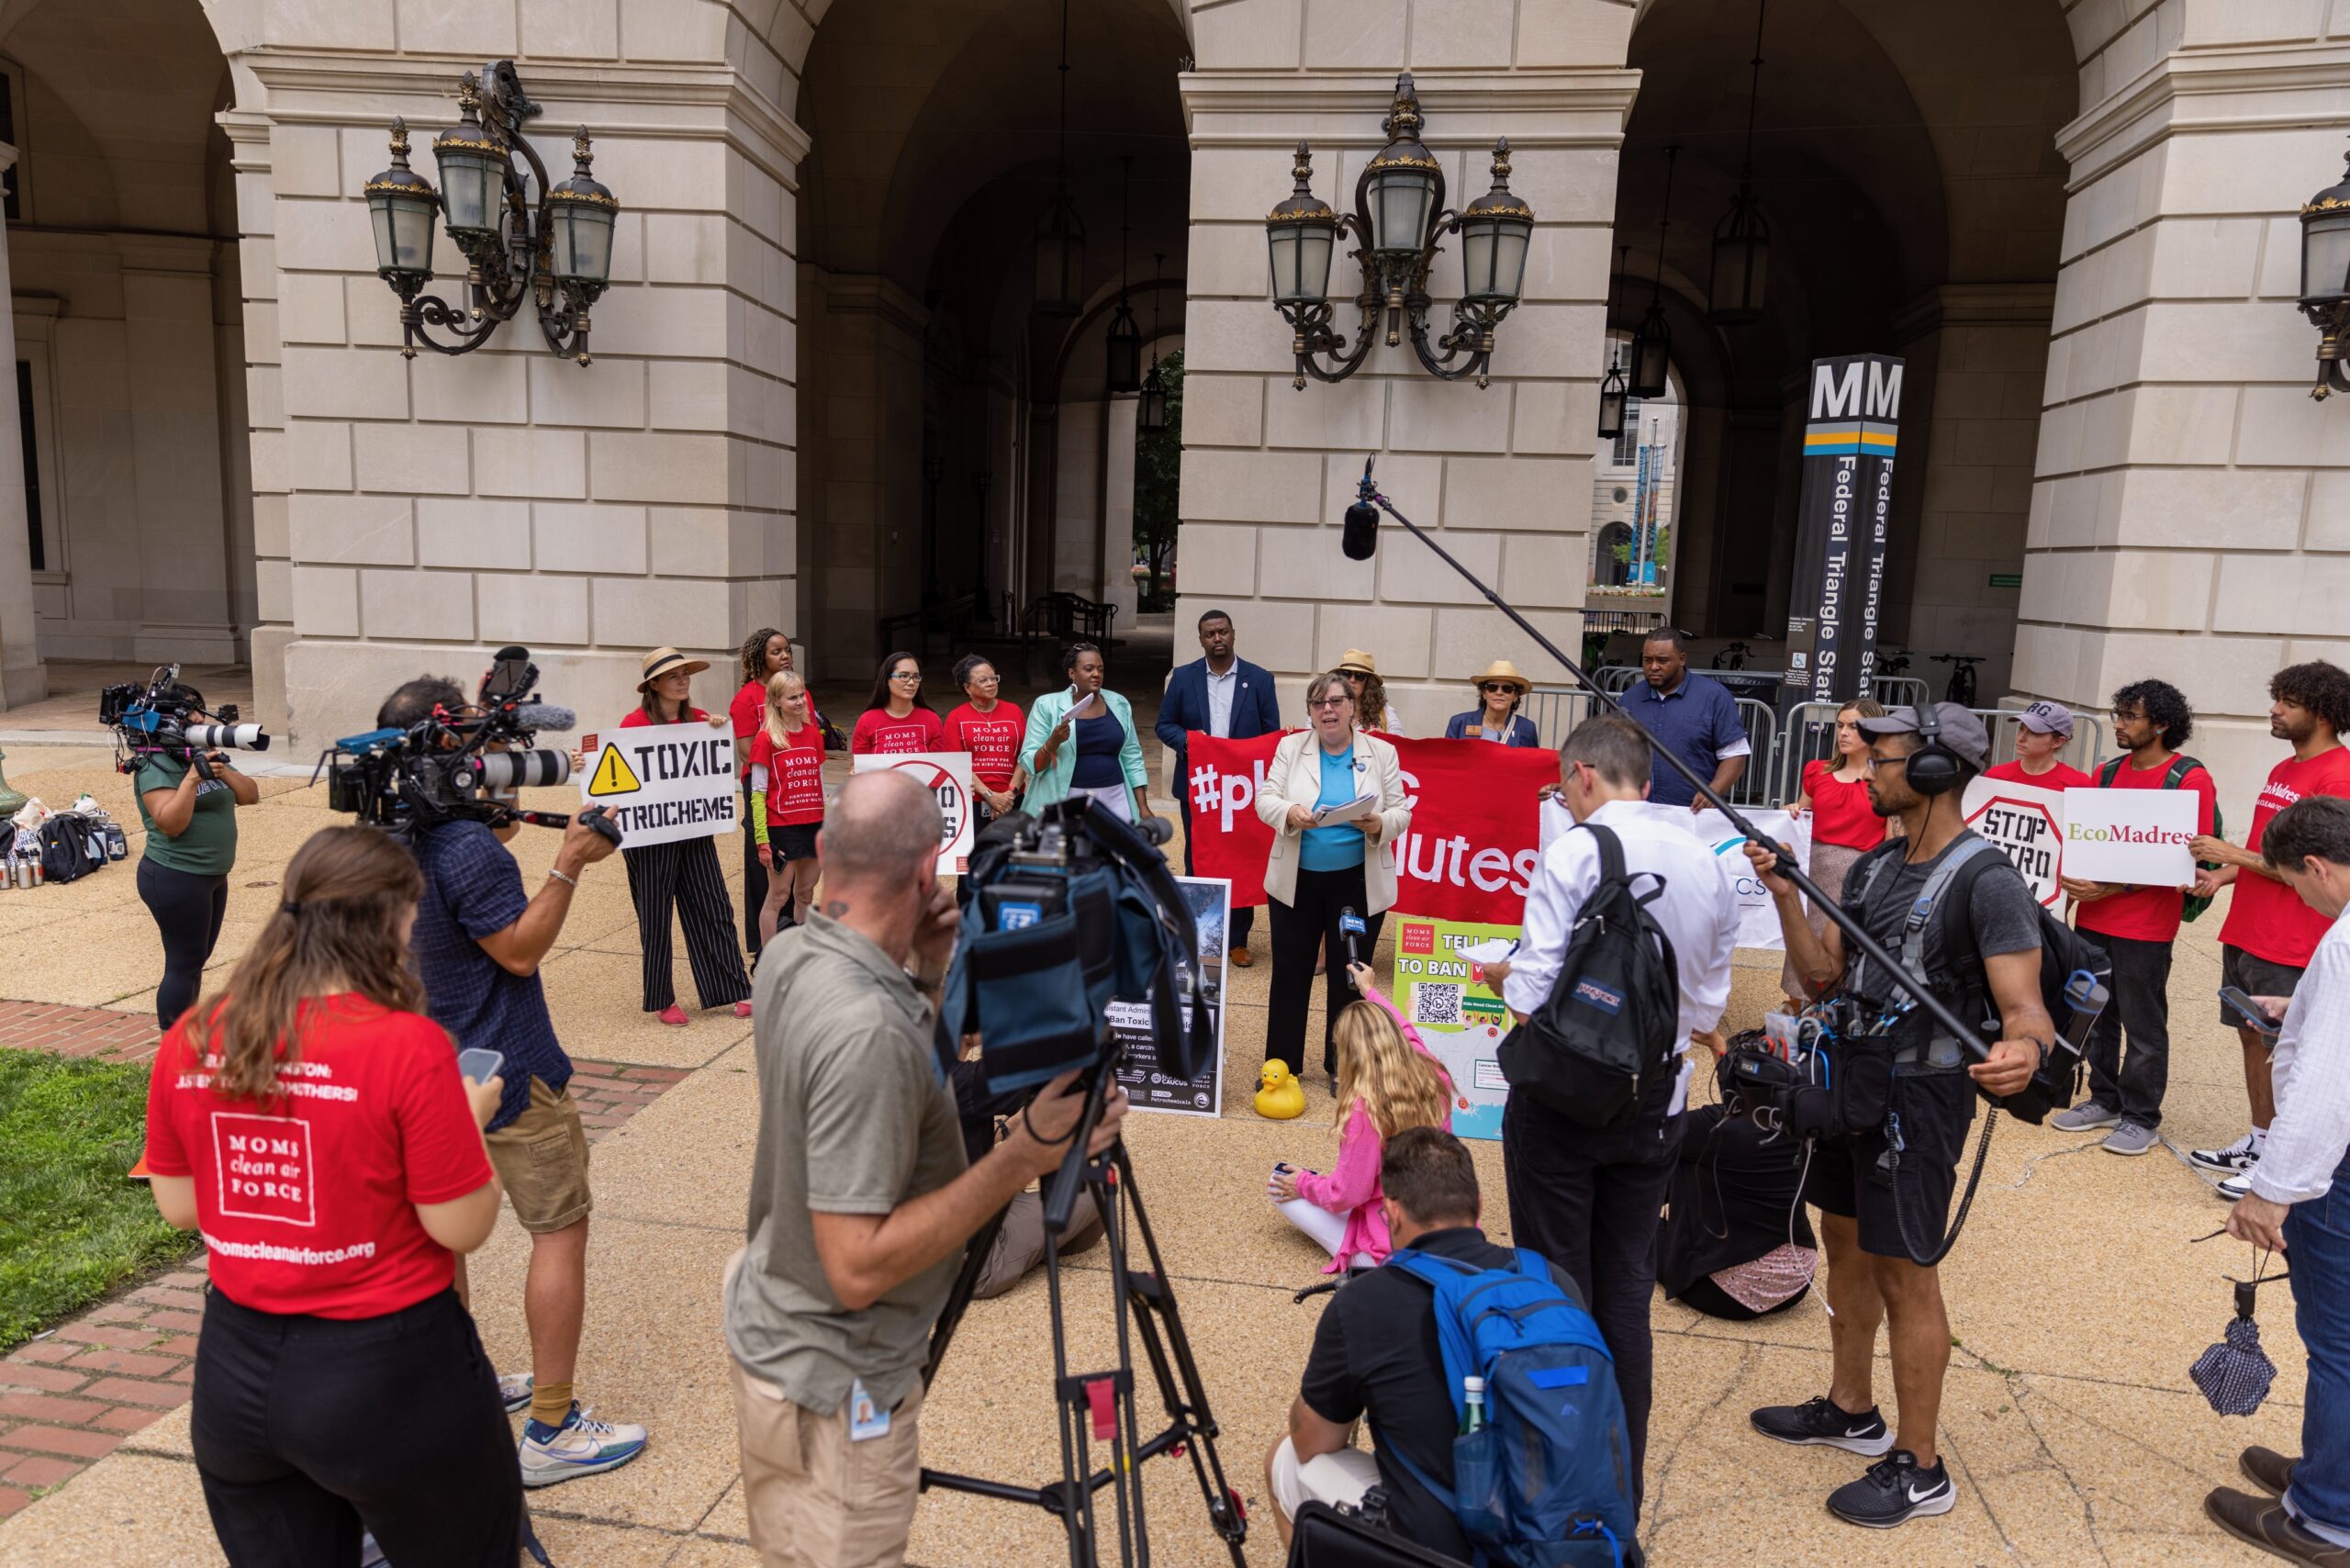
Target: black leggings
755 883
187 910
1312 918
308 1429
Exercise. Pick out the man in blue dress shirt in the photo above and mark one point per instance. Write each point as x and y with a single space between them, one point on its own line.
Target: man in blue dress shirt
1222 695
1694 718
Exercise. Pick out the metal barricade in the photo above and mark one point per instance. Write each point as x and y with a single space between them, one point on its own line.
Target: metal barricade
1753 786
1809 735
1555 709
1614 679
1900 691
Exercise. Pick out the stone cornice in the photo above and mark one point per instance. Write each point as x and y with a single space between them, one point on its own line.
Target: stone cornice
1533 108
869 293
2276 87
319 89
1975 304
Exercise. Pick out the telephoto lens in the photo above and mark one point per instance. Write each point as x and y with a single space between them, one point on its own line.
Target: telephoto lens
520 770
234 738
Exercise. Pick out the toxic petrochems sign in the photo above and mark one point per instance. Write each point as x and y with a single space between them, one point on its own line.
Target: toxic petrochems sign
1852 423
661 782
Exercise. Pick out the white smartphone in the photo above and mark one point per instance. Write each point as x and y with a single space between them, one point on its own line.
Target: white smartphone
481 1064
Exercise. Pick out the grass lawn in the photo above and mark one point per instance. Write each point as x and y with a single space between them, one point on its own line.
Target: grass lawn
72 1226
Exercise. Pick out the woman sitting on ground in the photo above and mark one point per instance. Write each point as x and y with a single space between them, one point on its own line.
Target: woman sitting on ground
1495 718
340 1385
1388 1080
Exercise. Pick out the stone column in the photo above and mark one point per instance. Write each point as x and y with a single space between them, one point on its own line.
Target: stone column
23 677
2189 520
1117 586
1505 472
439 507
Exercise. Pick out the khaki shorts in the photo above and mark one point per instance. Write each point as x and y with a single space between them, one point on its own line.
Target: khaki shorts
816 1500
542 1158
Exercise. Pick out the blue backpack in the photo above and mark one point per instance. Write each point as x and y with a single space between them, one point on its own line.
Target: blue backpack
1546 1482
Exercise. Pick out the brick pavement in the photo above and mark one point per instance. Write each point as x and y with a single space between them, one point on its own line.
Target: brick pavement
68 1397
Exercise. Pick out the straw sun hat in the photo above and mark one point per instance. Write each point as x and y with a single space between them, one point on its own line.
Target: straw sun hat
1502 669
668 661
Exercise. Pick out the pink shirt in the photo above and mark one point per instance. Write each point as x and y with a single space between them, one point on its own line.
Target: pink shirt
1353 1188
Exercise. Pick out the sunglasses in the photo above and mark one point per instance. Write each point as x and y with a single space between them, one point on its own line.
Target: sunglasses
1495 686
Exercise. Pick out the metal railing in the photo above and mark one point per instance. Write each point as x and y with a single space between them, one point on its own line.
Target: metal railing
1811 736
1556 710
1893 690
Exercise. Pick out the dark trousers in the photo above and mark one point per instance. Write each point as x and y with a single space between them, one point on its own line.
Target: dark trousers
1589 1202
1299 928
1244 918
2141 1010
755 883
187 910
308 1429
684 876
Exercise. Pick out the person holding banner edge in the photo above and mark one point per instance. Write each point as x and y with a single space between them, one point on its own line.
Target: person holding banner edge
1319 872
683 874
2137 926
1693 717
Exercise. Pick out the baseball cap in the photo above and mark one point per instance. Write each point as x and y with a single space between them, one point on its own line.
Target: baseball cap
1962 732
2047 718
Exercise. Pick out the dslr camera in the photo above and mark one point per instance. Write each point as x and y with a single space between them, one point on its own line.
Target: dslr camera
462 765
166 717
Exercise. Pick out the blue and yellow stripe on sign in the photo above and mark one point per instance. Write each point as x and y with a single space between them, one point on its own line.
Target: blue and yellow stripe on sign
1839 438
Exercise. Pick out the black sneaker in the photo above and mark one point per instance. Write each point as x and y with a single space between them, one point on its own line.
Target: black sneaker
1820 1423
1892 1492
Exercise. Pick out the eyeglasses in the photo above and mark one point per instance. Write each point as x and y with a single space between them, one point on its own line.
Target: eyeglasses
1329 701
2126 715
1874 762
1495 686
905 675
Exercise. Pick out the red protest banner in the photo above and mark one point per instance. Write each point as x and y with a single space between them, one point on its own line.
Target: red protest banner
1470 853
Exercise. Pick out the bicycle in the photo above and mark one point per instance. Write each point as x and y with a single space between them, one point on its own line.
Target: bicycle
1892 661
1733 657
1961 689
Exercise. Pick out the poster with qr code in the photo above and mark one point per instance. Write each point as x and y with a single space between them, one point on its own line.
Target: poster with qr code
1460 1018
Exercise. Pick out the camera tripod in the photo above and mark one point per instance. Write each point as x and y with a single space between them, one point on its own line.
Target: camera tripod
1100 1406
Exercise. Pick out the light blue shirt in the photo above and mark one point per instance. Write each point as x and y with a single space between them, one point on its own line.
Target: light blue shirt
1333 848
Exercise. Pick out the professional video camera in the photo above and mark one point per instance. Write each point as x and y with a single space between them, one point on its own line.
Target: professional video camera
166 717
451 765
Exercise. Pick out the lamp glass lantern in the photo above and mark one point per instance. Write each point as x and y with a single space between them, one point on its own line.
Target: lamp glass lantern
1651 355
1400 186
1125 350
1494 236
1742 263
1613 398
2325 248
473 177
1301 235
402 211
1150 409
581 215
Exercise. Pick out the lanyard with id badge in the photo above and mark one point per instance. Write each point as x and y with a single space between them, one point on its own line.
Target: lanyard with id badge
865 1419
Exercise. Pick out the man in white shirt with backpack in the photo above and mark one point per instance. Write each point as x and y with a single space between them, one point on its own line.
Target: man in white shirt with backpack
1588 1199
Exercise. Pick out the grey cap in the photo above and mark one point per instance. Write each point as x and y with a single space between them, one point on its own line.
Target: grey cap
1962 732
2047 718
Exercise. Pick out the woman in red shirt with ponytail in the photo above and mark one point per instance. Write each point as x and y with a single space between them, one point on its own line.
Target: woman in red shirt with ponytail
312 1124
1843 824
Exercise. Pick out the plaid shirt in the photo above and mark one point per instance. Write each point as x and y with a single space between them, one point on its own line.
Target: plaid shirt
473 888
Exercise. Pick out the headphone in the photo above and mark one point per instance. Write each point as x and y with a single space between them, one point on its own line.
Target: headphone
1933 768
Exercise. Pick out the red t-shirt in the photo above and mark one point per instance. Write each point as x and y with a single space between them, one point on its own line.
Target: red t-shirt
2063 776
2266 918
1840 813
2149 914
795 774
638 719
875 732
993 739
308 1204
749 709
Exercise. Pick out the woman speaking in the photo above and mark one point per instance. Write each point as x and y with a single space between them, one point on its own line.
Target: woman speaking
1083 741
339 1383
1334 798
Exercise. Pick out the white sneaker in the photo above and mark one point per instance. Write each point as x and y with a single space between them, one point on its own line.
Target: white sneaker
579 1447
2241 1155
514 1391
2237 1186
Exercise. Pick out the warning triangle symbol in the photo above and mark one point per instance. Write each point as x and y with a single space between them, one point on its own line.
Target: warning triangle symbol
614 775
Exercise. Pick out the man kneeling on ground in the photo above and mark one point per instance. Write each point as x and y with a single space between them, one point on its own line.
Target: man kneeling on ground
1375 1354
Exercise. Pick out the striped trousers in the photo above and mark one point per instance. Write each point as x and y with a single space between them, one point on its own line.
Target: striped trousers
684 876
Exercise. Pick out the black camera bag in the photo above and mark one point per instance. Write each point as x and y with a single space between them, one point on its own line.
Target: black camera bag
71 847
1613 1014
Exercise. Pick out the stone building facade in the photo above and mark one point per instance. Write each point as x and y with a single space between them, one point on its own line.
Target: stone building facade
820 398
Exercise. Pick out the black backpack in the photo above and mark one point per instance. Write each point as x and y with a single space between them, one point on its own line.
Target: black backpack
1613 1014
70 848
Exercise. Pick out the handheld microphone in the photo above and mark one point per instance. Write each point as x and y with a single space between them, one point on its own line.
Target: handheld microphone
1350 925
1361 538
544 716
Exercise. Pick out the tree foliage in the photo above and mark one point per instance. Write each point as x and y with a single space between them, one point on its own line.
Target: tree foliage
1159 462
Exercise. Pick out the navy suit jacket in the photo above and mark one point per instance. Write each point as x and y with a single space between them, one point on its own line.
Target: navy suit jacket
1255 708
1469 726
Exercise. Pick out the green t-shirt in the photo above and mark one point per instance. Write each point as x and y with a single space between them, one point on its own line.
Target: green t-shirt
208 846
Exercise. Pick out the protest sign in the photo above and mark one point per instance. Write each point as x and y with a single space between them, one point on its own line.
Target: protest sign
1147 1088
661 782
1758 917
2130 835
948 775
2026 822
1229 840
1458 1017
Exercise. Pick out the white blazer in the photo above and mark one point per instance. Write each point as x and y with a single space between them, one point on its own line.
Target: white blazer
1374 758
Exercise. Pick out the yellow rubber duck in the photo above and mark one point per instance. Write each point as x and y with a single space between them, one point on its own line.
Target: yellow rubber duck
1283 1096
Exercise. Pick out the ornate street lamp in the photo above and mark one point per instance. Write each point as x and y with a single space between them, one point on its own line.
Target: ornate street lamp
1061 233
1742 239
2325 279
1652 345
1150 409
1399 224
1124 373
557 254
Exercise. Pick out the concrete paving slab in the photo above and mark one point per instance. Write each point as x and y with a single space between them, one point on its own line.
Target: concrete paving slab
598 1002
129 1511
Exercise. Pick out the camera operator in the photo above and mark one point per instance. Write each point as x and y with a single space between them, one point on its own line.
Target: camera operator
1871 1275
191 821
478 942
861 1200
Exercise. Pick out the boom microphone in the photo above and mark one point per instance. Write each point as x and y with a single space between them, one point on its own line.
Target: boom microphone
544 716
1362 522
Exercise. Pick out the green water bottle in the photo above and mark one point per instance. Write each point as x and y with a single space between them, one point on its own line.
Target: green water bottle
1472 1404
